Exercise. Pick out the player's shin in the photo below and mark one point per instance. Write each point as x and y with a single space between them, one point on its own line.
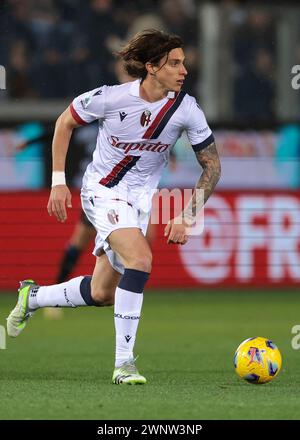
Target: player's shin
127 312
73 293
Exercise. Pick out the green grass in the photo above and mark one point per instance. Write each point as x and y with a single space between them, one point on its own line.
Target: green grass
186 341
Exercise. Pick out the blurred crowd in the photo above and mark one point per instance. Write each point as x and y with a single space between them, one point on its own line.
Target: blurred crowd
60 48
254 60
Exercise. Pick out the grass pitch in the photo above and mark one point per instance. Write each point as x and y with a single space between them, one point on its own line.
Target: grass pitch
186 342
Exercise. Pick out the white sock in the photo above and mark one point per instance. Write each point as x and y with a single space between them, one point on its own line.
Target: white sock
128 307
59 295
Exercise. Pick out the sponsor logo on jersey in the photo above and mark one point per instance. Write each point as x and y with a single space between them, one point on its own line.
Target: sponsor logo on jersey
202 130
113 217
145 118
122 115
156 147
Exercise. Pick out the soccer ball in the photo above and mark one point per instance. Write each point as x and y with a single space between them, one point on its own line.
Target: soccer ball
257 360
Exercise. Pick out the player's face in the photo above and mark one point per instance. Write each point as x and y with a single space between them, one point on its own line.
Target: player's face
171 72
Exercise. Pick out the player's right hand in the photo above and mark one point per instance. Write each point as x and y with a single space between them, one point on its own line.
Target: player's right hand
60 198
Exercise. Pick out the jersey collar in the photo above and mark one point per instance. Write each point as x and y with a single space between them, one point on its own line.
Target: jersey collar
135 90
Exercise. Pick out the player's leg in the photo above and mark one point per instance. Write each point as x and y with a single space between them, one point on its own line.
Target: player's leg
100 288
97 290
134 251
151 233
83 234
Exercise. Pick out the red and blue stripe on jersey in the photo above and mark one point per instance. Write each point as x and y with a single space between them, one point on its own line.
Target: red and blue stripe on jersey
163 117
119 171
152 132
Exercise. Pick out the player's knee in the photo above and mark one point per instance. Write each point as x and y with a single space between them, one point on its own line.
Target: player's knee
142 262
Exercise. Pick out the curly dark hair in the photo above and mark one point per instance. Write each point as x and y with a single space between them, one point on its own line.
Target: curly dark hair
151 46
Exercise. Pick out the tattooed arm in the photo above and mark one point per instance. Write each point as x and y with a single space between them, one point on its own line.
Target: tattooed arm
209 160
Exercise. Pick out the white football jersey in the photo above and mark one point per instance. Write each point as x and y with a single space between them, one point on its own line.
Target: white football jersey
135 136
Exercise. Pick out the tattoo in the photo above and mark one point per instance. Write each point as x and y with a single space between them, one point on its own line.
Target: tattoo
208 158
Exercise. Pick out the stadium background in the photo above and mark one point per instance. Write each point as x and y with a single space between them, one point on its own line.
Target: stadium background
239 57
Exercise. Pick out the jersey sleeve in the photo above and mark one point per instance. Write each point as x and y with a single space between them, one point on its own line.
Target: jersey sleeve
89 106
198 131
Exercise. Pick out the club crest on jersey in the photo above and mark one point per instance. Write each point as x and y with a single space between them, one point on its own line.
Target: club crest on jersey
145 118
113 217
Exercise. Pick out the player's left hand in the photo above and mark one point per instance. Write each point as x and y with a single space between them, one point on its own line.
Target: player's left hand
176 231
